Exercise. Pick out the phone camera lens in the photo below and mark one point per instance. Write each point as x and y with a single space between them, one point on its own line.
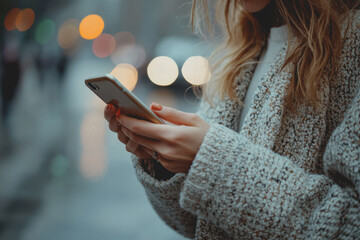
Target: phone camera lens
93 86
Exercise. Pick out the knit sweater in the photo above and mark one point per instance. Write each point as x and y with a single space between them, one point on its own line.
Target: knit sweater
284 175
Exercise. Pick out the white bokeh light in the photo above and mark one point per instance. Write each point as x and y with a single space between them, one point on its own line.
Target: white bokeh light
131 54
126 74
163 71
196 70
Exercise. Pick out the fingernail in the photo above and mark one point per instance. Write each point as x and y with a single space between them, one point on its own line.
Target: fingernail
108 107
118 114
156 106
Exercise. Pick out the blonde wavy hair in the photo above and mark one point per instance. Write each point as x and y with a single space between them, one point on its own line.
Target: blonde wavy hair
315 29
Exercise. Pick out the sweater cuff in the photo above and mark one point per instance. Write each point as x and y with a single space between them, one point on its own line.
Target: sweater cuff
167 187
204 172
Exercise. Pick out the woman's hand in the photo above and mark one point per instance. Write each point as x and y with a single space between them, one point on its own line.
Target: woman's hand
110 114
176 145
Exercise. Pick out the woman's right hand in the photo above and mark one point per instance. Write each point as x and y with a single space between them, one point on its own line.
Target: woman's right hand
110 113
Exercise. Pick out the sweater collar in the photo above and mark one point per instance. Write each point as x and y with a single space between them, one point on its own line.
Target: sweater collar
268 100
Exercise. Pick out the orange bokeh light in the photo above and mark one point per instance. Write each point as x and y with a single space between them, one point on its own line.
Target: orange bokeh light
91 26
104 45
10 19
25 19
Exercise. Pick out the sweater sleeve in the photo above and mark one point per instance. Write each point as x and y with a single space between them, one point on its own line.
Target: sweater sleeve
164 197
247 189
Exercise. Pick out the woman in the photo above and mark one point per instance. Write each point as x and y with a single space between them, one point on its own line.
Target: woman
274 151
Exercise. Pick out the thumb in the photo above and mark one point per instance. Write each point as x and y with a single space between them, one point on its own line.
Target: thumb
174 116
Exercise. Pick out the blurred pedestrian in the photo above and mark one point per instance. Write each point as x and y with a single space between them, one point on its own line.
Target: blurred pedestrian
10 78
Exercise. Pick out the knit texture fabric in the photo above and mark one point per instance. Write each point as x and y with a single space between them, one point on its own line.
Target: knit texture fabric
284 175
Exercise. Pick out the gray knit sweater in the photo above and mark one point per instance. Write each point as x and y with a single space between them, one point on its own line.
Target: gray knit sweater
284 175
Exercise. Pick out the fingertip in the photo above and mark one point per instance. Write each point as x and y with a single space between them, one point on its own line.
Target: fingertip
156 106
118 114
109 111
111 108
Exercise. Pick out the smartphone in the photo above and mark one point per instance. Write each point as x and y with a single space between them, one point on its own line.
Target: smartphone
112 91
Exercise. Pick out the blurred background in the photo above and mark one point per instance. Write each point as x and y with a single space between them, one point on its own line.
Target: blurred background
63 174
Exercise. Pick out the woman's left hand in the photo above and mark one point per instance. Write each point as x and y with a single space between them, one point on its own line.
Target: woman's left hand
176 145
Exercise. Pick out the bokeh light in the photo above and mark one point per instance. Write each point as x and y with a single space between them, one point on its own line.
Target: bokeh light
126 74
124 39
91 26
68 34
196 70
44 31
163 71
25 19
134 55
93 160
10 19
104 45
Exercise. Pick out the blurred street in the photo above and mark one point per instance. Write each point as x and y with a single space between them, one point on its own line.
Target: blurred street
45 194
52 185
